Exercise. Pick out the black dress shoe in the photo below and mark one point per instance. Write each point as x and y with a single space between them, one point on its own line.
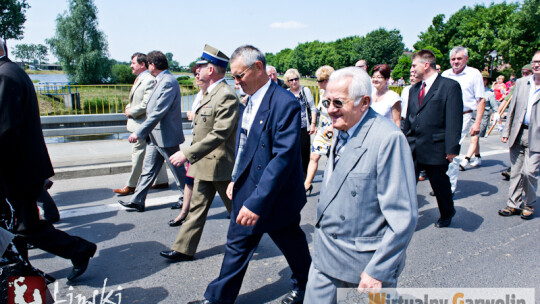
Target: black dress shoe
176 205
294 297
200 302
174 223
140 208
441 223
81 263
175 255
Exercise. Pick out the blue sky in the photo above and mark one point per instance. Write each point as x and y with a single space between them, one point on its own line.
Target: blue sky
184 27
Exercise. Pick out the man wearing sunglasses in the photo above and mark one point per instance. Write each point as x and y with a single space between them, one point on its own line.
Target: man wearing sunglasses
367 210
267 188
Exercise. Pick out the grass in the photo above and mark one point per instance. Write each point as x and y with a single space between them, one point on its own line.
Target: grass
44 72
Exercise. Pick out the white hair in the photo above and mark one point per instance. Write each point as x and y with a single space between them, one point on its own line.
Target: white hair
457 49
360 82
249 55
269 67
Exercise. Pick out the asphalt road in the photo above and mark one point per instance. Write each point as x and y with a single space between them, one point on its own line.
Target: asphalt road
479 249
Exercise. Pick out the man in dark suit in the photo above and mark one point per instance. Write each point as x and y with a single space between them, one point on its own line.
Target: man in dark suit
267 187
433 128
26 166
163 128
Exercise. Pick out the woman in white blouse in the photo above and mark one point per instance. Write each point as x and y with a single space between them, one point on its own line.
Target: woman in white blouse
385 101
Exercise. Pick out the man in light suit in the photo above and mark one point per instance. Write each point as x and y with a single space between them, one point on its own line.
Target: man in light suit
367 209
211 155
163 128
522 133
267 188
433 128
136 113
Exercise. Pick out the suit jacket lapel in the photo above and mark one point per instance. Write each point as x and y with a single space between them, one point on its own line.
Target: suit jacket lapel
134 87
432 90
353 152
257 127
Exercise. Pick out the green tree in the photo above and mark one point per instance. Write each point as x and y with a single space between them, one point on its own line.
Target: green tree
79 45
380 46
173 64
519 37
121 73
403 67
23 52
12 18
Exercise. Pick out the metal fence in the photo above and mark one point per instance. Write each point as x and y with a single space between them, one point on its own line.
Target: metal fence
73 99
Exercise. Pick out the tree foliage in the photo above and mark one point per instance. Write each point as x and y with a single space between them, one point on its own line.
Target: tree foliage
173 64
79 44
12 18
403 67
380 46
31 53
505 27
122 74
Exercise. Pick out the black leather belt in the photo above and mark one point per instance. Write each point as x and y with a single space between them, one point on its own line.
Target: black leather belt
525 126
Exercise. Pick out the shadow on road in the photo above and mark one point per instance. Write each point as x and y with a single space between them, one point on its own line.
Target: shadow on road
464 219
269 292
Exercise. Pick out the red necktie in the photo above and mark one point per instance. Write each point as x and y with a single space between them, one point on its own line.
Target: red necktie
422 94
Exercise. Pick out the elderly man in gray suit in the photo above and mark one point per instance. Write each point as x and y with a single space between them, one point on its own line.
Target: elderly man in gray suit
367 211
522 133
163 128
136 113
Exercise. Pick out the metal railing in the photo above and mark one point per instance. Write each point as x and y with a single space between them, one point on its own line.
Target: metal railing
73 99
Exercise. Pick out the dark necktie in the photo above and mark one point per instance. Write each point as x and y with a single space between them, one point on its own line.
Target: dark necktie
340 145
422 93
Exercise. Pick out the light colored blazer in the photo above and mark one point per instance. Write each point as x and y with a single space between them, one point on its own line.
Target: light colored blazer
211 155
516 114
138 99
163 124
368 209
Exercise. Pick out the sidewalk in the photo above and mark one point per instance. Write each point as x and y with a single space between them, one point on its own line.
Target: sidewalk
93 157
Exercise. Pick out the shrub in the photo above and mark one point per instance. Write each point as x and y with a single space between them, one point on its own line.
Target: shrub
185 80
121 74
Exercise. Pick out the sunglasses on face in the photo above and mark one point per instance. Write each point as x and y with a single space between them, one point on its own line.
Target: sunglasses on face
336 102
294 79
241 75
321 80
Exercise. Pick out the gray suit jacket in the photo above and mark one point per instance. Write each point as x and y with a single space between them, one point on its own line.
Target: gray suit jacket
516 114
367 211
138 100
163 124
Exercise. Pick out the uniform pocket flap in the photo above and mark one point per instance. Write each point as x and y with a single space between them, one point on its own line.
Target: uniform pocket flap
370 243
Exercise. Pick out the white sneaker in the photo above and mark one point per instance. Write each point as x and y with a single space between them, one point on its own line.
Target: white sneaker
463 164
476 162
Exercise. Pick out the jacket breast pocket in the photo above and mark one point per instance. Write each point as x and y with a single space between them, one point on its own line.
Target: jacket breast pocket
206 117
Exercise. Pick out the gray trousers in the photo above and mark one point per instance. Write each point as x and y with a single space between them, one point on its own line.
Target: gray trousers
323 289
138 152
153 161
524 175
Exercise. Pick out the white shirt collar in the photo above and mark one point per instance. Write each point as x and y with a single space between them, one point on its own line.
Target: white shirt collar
161 75
429 82
213 85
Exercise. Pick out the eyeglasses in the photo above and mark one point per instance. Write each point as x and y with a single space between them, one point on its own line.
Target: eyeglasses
535 62
321 80
294 79
195 74
241 75
338 104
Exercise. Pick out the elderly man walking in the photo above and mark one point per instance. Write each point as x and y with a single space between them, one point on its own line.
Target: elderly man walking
367 211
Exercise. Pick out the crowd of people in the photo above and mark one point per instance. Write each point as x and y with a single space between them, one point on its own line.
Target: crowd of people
261 155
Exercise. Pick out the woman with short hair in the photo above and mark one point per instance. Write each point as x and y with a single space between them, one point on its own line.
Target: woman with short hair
385 101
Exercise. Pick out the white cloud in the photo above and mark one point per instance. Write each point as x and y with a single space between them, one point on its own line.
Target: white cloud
288 25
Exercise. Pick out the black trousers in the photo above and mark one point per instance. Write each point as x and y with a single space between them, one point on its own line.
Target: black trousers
290 239
440 182
41 233
305 147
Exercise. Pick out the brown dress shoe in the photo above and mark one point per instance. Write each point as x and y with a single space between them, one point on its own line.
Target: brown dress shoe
124 191
160 186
